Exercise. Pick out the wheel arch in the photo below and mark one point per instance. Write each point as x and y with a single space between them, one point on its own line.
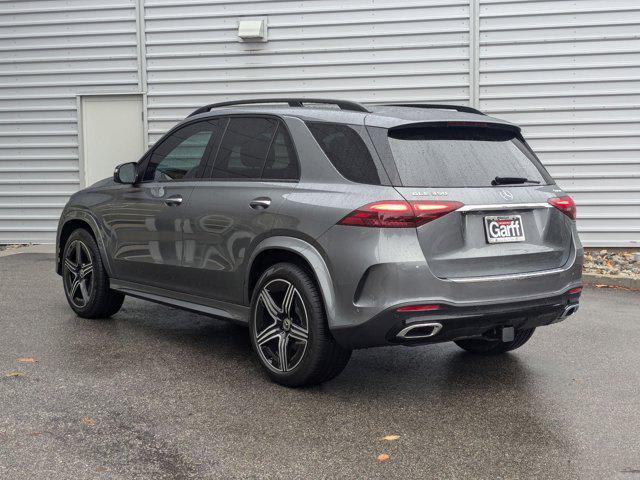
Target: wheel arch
70 221
299 252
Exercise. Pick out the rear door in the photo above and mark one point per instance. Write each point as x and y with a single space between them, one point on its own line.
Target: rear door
502 228
236 204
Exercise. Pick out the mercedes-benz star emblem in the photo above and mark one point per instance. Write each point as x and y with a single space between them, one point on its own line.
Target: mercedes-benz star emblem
506 194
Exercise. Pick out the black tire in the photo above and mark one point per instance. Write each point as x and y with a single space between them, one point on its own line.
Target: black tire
495 347
100 301
316 361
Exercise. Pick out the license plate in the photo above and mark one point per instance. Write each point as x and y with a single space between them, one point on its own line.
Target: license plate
504 229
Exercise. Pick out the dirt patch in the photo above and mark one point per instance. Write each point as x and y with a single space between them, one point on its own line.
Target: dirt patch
12 246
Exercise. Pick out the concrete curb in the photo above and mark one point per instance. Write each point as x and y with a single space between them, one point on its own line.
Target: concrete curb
611 281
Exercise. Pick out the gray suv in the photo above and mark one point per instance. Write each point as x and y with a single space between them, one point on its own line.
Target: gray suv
327 226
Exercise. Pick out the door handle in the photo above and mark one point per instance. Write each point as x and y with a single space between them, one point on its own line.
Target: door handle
173 200
260 203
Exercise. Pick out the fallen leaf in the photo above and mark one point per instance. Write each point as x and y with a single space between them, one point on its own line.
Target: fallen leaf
383 457
35 434
102 469
390 438
27 360
14 374
89 421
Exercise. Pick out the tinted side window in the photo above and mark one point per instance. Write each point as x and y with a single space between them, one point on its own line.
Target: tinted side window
282 163
244 148
179 155
347 151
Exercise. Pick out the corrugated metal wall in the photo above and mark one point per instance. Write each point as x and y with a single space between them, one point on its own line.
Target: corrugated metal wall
567 70
50 51
362 50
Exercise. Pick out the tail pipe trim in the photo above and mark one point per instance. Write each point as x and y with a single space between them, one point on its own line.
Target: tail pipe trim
420 330
568 311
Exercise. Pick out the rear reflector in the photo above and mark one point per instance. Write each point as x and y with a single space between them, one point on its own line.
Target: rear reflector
566 205
418 308
575 290
399 213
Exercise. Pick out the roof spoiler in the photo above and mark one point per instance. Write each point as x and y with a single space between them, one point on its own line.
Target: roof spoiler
459 123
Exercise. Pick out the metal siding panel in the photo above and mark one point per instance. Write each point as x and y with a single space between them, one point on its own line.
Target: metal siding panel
51 51
381 51
568 72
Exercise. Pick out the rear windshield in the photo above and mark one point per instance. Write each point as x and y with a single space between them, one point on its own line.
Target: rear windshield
461 156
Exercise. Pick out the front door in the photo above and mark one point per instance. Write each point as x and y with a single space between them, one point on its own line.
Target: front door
236 205
150 214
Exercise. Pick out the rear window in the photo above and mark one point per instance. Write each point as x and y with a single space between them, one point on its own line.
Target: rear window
347 151
461 156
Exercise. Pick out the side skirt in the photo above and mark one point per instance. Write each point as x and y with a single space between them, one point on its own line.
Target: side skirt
227 311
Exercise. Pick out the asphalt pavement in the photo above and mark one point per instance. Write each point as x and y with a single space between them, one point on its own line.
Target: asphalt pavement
157 393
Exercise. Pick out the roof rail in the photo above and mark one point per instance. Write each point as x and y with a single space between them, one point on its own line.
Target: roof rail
293 102
459 108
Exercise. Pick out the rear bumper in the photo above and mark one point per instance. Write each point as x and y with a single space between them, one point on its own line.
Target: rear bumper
453 322
373 271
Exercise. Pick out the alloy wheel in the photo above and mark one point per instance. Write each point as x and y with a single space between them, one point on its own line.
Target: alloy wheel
78 273
281 328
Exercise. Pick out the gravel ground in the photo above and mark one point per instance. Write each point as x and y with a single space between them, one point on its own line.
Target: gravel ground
614 262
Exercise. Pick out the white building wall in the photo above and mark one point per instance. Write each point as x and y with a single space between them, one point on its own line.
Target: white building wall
362 50
51 51
568 71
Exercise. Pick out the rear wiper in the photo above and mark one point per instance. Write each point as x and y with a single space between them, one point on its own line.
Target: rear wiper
511 180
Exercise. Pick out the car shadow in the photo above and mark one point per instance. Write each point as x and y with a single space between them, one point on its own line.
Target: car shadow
493 406
419 371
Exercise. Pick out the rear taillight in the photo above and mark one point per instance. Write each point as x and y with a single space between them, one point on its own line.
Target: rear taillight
566 205
399 213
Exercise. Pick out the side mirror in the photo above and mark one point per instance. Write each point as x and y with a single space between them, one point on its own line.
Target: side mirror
126 173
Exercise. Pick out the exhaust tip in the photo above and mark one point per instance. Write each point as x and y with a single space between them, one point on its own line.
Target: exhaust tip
568 311
419 330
